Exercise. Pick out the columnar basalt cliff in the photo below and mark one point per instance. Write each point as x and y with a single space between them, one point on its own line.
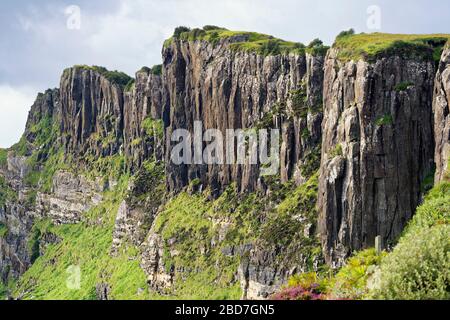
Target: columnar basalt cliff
144 102
229 89
377 149
441 109
360 135
92 113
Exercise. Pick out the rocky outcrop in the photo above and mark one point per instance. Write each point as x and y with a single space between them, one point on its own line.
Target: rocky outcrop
15 219
71 196
229 89
377 148
441 109
142 105
91 113
159 277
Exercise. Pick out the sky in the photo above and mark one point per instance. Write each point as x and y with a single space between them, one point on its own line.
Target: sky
39 39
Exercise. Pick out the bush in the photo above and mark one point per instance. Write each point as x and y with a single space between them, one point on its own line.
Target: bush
270 47
3 157
418 268
403 86
306 286
385 120
351 281
3 230
315 43
346 33
157 70
179 30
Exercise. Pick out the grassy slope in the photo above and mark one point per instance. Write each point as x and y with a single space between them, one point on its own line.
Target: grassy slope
419 266
86 245
189 224
373 45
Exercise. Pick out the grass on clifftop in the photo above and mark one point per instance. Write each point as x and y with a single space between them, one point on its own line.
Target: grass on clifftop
372 46
247 41
116 77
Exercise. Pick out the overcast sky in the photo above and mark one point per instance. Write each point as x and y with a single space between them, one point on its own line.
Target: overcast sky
36 43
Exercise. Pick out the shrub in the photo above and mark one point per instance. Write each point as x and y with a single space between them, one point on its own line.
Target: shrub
153 128
130 85
315 43
346 33
300 293
384 120
337 151
305 286
3 157
3 231
179 30
157 70
351 281
418 268
270 47
403 86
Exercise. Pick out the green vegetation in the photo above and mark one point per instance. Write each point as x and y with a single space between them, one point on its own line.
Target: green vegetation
6 193
312 163
87 246
3 157
130 85
299 100
116 77
403 86
419 266
245 41
385 120
351 280
205 237
337 151
46 159
372 46
189 226
317 48
291 226
153 128
156 70
21 148
3 230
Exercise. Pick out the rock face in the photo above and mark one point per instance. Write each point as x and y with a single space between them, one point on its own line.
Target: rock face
441 111
143 102
377 149
225 89
17 214
71 196
92 113
100 119
369 125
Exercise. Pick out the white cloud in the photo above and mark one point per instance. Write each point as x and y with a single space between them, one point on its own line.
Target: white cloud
14 106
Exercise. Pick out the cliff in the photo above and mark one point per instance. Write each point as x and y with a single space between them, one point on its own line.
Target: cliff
442 116
92 184
377 148
225 87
